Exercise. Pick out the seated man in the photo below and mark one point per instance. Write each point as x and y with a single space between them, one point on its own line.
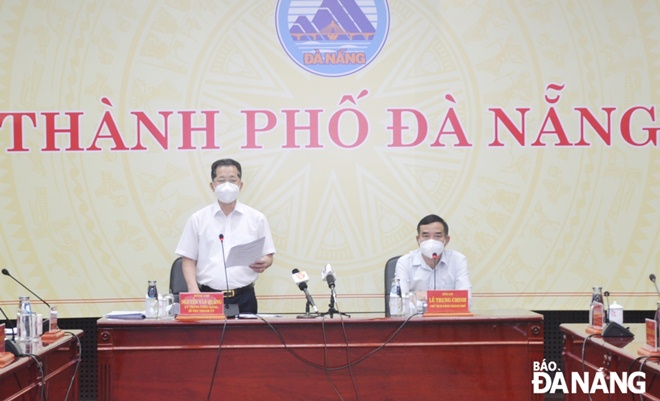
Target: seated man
432 266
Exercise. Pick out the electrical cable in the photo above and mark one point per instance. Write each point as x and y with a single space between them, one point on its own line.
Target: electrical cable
217 359
78 362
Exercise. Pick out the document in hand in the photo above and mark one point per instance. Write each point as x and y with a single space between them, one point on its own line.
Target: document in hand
246 254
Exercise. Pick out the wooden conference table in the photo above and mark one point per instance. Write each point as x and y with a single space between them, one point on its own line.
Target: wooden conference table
611 354
485 356
22 379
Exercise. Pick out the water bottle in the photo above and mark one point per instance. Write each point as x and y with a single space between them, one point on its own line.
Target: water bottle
151 301
396 303
410 304
597 295
166 305
25 322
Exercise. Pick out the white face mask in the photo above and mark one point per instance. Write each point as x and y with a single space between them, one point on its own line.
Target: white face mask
227 192
431 247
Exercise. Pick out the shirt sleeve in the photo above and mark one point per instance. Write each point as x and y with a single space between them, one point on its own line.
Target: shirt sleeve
269 245
463 277
188 246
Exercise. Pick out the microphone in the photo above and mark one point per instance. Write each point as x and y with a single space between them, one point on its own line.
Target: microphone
6 273
329 276
607 313
221 237
652 278
301 279
231 310
435 258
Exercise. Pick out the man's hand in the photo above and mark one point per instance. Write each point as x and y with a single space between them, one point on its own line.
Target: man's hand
262 264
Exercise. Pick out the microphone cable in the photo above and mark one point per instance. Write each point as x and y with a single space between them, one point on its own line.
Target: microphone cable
217 358
642 360
584 346
340 367
221 237
40 365
348 356
325 359
75 370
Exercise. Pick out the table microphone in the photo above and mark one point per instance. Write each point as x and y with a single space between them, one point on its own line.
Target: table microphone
6 273
652 278
301 279
435 258
231 310
329 276
607 312
46 323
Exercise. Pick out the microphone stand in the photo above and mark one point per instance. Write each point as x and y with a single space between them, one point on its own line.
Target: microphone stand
331 307
307 314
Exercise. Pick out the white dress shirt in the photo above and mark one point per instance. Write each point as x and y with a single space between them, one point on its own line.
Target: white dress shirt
452 273
200 241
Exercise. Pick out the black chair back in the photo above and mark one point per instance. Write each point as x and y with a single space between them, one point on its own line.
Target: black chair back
390 268
177 281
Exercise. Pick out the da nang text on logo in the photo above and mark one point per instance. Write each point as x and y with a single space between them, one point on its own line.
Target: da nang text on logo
596 382
332 38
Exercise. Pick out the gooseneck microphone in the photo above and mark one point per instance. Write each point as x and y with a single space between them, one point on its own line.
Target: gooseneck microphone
301 279
6 273
607 312
231 310
221 237
435 262
652 278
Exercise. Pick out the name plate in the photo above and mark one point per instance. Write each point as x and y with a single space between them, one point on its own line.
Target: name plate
651 336
5 357
201 306
447 303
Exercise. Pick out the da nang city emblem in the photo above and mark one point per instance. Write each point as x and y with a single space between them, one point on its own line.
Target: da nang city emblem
332 38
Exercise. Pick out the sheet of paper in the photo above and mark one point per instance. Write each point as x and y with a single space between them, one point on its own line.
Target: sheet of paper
127 315
246 254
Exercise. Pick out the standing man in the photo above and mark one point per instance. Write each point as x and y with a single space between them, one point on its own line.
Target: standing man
232 223
433 266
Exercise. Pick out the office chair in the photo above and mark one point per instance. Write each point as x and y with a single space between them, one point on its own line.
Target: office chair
390 267
177 282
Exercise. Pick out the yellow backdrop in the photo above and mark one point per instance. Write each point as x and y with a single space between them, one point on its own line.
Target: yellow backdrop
549 175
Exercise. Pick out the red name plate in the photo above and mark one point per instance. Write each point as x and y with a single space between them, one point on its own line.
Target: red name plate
202 305
651 338
447 302
5 357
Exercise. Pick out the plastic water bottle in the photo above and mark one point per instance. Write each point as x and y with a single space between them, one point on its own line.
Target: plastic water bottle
410 304
396 302
151 307
25 322
596 297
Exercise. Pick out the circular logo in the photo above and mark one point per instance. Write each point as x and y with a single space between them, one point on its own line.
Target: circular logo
332 38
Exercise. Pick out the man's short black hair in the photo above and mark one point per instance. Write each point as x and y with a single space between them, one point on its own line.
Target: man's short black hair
433 218
226 162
